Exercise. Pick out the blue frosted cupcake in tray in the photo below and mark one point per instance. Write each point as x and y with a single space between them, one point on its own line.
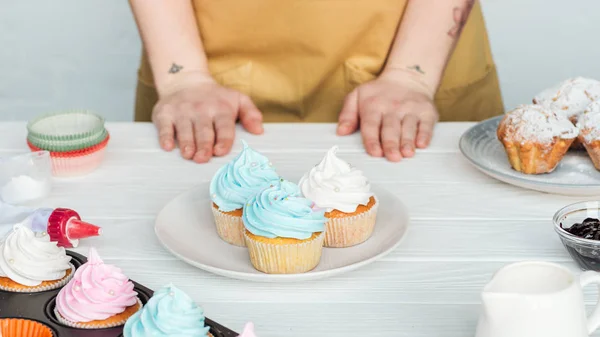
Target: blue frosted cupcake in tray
170 312
233 184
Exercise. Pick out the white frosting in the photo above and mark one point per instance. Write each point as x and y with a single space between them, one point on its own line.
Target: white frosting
589 122
335 184
570 97
29 259
536 123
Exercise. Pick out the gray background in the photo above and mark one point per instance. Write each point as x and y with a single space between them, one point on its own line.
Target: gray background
84 54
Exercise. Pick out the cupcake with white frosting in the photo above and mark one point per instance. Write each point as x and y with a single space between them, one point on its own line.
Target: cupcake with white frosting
32 263
345 194
589 136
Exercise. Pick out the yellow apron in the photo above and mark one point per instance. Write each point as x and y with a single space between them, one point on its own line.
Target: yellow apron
298 59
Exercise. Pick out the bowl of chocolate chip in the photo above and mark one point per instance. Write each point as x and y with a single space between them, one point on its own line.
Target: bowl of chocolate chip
578 226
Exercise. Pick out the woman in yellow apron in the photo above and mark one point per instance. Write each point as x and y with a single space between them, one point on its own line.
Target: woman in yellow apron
391 68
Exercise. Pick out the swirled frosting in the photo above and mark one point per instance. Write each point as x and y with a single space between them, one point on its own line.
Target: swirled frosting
97 291
570 97
335 184
29 259
170 312
280 211
248 331
248 173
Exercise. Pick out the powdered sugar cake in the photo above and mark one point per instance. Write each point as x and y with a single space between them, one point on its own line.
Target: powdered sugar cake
535 138
574 175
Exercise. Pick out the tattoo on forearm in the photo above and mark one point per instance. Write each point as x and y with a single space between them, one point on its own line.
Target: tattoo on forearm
175 68
417 68
460 16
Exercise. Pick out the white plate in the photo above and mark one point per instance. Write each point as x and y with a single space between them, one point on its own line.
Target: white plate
186 228
575 174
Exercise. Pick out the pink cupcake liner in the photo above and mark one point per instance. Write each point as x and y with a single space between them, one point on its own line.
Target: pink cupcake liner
77 166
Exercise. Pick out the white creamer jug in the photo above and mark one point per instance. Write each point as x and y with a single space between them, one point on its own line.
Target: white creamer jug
537 299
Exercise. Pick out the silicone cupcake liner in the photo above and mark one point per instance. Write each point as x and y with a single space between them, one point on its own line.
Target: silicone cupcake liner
272 258
78 165
44 287
230 228
75 153
352 230
15 327
68 125
67 145
108 323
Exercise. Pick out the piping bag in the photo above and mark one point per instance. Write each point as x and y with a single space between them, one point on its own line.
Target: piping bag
63 225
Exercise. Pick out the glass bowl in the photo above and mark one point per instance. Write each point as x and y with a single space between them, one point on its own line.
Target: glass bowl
585 252
25 178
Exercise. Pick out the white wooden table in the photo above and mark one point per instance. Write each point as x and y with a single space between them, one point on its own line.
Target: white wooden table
464 226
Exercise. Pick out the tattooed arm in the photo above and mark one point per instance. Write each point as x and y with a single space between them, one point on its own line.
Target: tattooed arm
426 37
192 108
171 39
395 112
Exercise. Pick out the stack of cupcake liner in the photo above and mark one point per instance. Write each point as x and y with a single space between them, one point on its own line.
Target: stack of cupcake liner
76 140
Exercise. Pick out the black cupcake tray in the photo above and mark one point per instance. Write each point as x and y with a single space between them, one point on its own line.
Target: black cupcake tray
40 307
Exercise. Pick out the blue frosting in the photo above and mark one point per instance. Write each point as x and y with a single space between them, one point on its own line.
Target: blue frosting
234 183
170 312
281 211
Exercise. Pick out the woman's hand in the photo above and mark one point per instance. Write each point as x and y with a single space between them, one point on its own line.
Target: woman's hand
201 115
395 113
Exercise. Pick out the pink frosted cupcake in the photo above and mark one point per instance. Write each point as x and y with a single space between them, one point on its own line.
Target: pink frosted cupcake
99 296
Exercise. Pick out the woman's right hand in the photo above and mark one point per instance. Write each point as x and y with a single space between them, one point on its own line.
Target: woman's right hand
200 115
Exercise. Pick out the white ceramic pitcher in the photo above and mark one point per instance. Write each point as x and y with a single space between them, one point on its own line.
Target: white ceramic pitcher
537 299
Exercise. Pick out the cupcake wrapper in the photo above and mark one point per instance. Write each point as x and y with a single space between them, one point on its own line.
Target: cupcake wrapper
285 258
352 230
75 153
68 145
77 166
39 289
45 126
593 150
230 228
88 326
15 327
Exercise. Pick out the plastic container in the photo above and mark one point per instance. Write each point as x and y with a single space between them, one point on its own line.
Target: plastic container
25 178
585 252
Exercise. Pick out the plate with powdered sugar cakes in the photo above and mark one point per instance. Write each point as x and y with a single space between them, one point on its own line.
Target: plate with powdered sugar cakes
550 145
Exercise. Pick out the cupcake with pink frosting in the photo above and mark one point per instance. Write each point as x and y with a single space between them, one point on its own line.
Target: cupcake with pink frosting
99 296
248 330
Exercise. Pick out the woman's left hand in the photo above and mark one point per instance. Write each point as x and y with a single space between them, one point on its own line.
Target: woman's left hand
395 113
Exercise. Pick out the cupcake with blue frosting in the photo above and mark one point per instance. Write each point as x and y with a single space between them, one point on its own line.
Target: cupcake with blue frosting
233 184
170 312
284 231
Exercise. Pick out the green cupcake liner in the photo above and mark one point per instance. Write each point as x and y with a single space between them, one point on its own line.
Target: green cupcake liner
68 145
67 125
